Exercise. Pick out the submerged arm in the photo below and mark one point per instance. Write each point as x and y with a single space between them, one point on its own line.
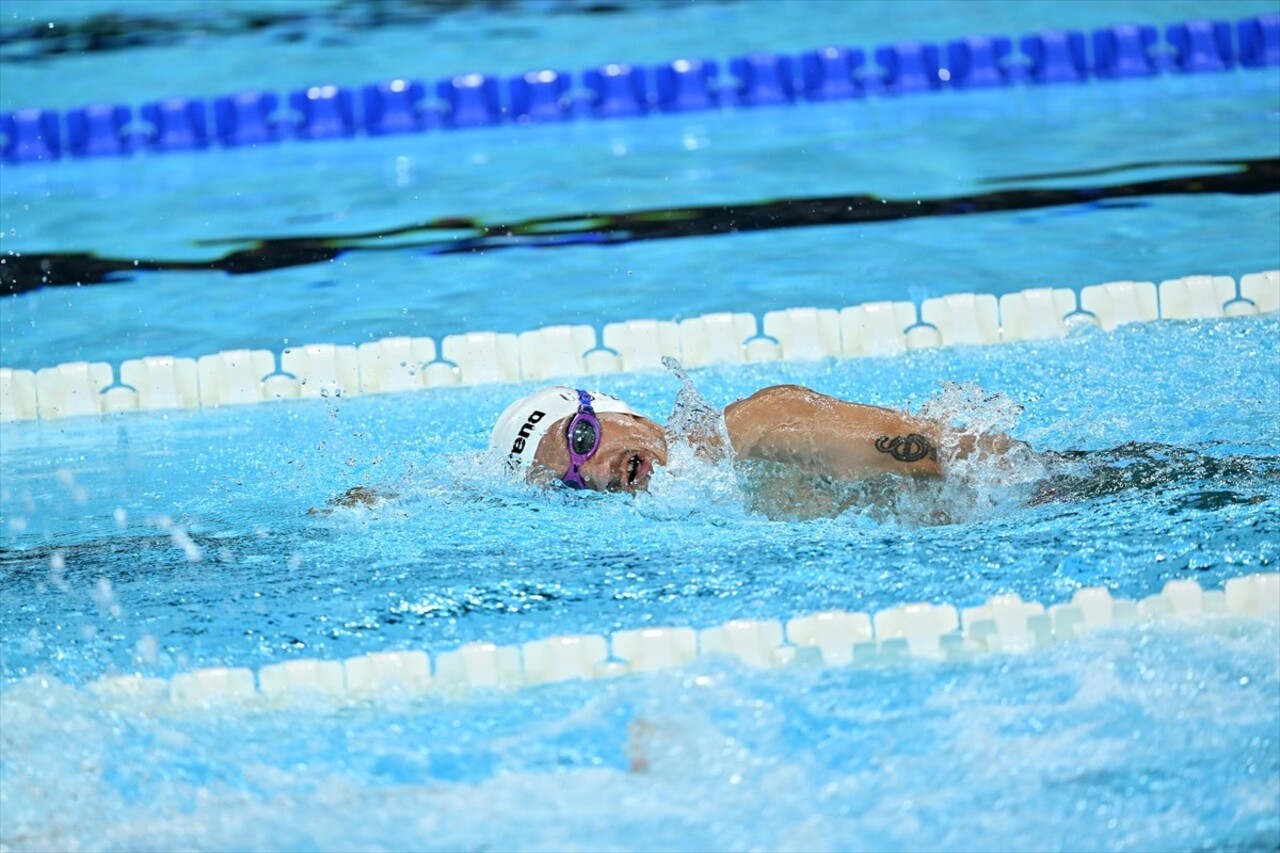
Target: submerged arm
793 424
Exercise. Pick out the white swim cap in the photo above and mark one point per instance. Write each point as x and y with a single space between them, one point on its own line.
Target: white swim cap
522 425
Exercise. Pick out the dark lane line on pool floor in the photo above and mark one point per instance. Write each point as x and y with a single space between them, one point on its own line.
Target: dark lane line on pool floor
23 273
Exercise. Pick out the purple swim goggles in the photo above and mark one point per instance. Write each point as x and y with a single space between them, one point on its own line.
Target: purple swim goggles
583 440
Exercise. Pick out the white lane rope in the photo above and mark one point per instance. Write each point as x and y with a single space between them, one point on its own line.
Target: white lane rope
162 382
929 632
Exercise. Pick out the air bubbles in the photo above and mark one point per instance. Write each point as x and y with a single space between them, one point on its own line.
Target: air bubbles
179 537
189 548
57 566
146 650
404 171
693 141
104 595
79 493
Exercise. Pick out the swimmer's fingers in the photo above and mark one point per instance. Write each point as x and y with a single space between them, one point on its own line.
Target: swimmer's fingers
360 496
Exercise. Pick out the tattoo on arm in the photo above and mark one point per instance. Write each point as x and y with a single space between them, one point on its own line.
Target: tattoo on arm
907 448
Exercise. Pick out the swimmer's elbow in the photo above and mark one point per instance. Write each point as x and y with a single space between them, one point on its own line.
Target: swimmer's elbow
775 402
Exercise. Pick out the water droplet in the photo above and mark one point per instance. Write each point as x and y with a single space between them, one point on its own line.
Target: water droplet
103 595
147 649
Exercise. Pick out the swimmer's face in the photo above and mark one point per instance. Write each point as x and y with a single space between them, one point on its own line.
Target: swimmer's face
630 446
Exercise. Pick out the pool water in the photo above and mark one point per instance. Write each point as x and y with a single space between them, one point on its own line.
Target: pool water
159 543
201 207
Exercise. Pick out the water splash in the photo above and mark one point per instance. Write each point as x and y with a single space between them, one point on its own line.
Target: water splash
699 475
985 472
693 420
972 409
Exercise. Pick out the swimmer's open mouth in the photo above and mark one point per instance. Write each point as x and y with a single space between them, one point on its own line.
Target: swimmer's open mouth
639 467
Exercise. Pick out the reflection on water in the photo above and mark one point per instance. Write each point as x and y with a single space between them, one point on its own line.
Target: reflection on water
1078 475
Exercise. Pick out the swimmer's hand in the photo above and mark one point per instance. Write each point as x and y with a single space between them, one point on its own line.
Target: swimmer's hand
707 441
356 496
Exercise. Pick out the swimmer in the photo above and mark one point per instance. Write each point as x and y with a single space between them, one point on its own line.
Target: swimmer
800 454
591 440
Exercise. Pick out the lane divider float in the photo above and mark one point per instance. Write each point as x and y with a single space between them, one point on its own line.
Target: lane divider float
928 632
253 118
162 382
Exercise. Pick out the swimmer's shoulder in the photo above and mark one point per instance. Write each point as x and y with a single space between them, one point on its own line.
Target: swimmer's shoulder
751 419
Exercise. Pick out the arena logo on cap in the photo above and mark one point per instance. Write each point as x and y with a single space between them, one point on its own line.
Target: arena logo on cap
517 447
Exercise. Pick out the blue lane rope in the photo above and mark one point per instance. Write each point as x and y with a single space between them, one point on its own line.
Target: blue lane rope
620 90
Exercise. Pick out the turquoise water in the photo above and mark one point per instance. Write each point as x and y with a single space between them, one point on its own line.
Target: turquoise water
158 543
200 206
1145 737
462 555
1108 743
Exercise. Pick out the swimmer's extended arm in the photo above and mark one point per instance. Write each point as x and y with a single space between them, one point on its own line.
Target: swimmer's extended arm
793 424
